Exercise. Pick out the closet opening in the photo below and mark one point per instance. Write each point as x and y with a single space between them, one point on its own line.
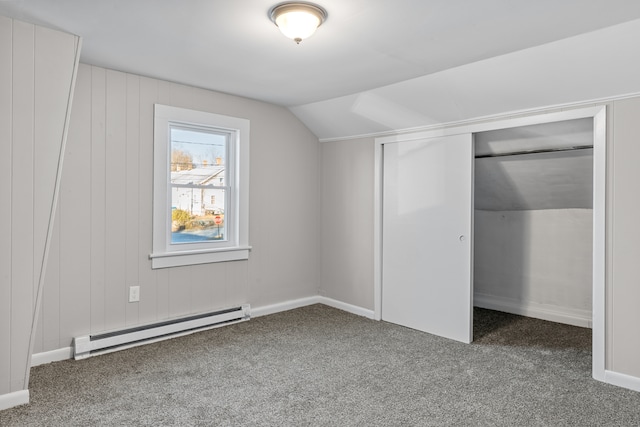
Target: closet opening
533 235
535 174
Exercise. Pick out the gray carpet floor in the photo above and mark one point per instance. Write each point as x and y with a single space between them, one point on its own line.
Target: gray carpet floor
317 366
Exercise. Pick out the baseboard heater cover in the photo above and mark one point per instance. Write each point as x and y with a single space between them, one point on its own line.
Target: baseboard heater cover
92 345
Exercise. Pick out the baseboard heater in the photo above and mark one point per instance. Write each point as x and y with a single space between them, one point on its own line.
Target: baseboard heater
92 345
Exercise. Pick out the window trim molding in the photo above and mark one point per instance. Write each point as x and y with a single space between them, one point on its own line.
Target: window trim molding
164 254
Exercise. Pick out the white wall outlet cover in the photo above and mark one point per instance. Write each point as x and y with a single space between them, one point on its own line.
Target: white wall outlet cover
134 293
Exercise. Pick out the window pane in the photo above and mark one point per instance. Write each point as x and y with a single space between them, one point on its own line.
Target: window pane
206 223
201 152
198 161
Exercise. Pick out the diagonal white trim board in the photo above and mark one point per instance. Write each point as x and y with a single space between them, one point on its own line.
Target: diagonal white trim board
53 208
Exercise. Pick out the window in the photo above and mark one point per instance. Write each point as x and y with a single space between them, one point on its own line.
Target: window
201 178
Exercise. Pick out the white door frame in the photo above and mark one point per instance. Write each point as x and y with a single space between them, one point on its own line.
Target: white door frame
598 114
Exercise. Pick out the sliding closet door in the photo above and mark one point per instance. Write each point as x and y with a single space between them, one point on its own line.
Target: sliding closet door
427 239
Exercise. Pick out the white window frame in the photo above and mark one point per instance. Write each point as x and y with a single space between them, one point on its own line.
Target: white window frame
236 245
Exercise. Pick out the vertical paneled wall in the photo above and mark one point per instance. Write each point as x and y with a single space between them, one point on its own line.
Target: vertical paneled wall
36 73
104 224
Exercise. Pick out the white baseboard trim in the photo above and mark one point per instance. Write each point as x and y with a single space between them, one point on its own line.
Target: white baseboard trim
575 317
67 352
283 306
349 308
16 398
51 356
622 380
303 302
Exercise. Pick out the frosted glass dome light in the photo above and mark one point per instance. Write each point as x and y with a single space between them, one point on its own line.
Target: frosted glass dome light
298 21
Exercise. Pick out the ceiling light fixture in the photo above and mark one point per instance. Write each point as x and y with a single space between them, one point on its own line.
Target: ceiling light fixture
297 20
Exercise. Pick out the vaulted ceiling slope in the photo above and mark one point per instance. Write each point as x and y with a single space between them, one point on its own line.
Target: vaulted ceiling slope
593 66
556 179
374 65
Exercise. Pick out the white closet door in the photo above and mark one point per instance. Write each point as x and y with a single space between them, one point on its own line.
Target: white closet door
427 239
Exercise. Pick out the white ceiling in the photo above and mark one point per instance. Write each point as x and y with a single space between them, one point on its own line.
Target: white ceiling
232 46
378 66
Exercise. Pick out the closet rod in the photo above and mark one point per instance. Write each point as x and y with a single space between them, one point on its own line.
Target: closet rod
542 150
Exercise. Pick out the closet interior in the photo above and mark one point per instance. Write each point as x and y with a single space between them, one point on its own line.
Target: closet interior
533 221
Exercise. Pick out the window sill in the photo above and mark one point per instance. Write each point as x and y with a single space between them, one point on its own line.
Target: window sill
205 256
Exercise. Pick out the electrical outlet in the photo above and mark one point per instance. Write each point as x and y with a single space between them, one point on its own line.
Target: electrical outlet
134 293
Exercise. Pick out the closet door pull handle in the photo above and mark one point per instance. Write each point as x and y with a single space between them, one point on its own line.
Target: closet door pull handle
462 238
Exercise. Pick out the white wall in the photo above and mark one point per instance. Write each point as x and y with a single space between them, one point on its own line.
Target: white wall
535 262
36 73
103 232
623 231
347 222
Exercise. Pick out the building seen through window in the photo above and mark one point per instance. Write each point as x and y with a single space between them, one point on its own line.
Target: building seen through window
198 185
